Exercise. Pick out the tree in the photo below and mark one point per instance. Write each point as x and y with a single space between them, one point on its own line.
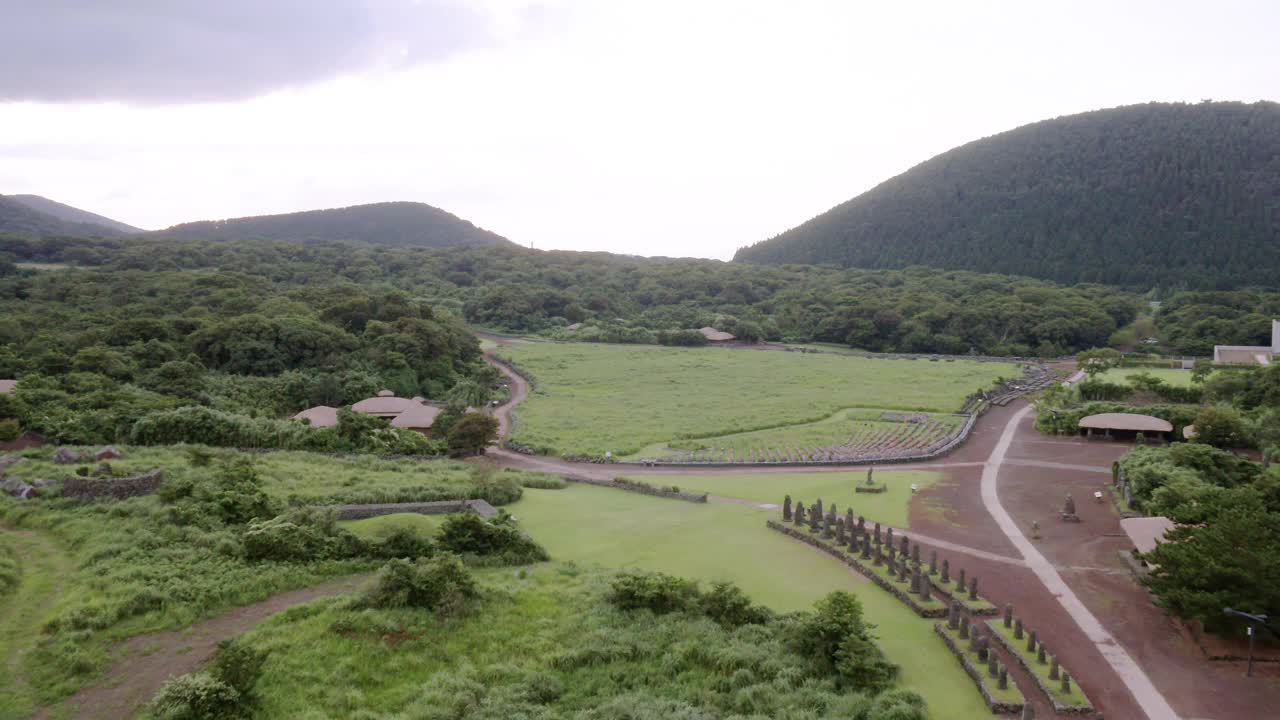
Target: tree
1097 360
471 434
1221 426
469 393
837 637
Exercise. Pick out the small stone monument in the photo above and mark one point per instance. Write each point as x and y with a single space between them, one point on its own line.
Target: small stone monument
1053 667
915 581
1017 629
879 555
1068 513
993 665
964 627
1031 641
877 535
926 588
915 554
888 537
902 571
982 649
973 588
815 518
933 562
1066 684
953 617
840 538
799 514
1003 683
1008 615
786 509
866 545
1040 655
946 571
906 546
960 583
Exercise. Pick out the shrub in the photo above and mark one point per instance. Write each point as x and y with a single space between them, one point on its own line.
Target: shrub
302 534
197 696
1221 426
471 434
233 494
9 571
898 704
403 542
239 666
536 480
498 538
729 606
838 639
441 583
659 592
9 430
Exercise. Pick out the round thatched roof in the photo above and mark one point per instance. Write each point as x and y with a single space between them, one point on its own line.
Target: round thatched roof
418 417
383 405
320 416
386 393
8 386
1126 421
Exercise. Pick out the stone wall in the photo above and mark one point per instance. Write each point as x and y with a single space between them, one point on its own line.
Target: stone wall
642 488
441 507
125 487
997 707
903 595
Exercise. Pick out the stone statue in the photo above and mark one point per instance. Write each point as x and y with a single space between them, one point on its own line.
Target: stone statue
877 535
906 547
799 514
993 665
933 562
960 583
946 571
915 555
1066 684
786 509
1053 667
870 482
915 581
815 518
953 616
1069 507
973 588
840 538
926 588
1031 641
1003 684
1008 615
1017 629
1040 655
964 627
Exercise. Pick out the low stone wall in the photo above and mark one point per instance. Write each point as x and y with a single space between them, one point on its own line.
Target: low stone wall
642 488
1059 708
903 595
439 507
997 707
125 487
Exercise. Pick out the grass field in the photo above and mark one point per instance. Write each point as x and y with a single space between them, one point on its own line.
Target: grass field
378 527
598 526
1171 376
889 507
592 399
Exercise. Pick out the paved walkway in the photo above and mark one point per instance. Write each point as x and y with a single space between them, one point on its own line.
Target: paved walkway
1148 697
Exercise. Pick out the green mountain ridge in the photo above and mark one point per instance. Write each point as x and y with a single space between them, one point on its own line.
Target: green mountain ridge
73 214
401 224
1154 195
18 216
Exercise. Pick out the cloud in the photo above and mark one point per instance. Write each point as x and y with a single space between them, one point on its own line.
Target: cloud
179 51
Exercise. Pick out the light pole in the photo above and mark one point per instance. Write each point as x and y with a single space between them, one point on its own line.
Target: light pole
1254 620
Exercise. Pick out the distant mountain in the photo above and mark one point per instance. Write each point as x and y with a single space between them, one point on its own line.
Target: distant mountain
73 215
19 217
1145 195
391 223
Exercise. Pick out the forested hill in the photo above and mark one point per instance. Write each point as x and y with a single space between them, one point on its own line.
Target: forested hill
1168 195
407 224
73 214
18 217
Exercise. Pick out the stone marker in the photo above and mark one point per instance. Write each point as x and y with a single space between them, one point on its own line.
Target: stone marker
815 518
915 581
964 627
879 555
1008 615
888 537
1040 658
926 588
840 538
946 571
786 509
983 649
1031 641
1004 678
1066 684
915 554
1053 667
953 617
973 588
878 541
960 581
902 571
993 665
906 546
799 514
974 636
933 562
866 545
1017 629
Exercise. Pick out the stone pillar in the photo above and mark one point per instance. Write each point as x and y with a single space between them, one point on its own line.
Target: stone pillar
974 635
854 537
964 627
877 535
879 556
1017 629
993 665
906 547
983 654
1008 615
915 581
848 519
953 617
799 514
902 571
840 538
1004 679
866 545
786 509
888 537
946 571
1053 667
973 588
1066 684
1031 641
933 562
1040 658
862 525
915 554
926 588
815 517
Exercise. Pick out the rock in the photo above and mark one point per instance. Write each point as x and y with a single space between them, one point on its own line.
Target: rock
17 488
66 456
108 452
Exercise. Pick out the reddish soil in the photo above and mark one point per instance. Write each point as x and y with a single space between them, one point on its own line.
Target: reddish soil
144 663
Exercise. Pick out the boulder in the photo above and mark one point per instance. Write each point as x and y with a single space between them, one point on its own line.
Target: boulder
108 452
67 456
17 488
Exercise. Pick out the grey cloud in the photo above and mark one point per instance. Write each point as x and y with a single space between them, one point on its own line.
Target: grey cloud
175 51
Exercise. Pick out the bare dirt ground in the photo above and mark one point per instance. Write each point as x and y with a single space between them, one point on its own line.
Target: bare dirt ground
143 663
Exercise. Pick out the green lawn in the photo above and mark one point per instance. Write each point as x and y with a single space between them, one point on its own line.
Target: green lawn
1171 376
377 527
889 507
610 528
591 398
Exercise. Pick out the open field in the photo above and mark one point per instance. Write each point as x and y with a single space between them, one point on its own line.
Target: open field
378 527
597 526
591 399
1172 376
889 507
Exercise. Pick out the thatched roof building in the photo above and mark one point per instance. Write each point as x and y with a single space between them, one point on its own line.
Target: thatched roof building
714 335
384 406
418 417
1126 422
8 387
320 416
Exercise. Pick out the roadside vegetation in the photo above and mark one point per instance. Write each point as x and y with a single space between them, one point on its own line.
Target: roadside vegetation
590 399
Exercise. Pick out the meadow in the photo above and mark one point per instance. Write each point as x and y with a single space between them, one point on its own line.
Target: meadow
1171 376
889 507
600 527
591 399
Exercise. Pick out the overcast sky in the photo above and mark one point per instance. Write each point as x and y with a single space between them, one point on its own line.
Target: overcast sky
652 127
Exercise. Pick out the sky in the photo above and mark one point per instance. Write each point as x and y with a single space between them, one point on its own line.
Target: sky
650 127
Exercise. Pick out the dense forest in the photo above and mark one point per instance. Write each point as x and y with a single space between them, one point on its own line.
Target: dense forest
622 299
1155 195
391 223
1193 322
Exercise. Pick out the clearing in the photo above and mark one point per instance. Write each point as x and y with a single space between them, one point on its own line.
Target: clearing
1171 376
590 399
618 529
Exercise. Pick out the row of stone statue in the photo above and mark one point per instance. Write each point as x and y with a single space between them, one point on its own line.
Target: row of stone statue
877 547
1035 645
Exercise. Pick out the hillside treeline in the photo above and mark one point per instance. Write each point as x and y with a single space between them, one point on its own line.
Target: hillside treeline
1156 195
619 298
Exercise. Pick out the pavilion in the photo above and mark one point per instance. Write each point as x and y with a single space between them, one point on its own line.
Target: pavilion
1124 423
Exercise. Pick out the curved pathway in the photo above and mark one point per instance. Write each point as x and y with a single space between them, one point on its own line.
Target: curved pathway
1148 697
145 662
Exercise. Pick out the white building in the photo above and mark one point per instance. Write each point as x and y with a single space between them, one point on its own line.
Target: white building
1247 355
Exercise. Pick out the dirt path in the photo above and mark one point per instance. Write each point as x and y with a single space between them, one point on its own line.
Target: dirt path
44 569
1148 697
143 663
518 391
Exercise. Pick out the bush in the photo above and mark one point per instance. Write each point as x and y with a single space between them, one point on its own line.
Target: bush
536 480
231 495
302 534
471 434
1221 427
659 592
497 539
729 606
197 696
441 583
898 704
838 639
239 666
9 430
403 542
